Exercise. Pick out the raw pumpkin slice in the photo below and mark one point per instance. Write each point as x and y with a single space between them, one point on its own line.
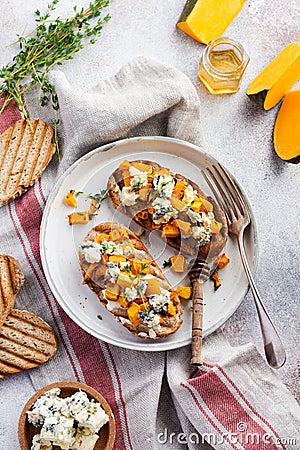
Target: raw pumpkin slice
287 128
277 78
206 20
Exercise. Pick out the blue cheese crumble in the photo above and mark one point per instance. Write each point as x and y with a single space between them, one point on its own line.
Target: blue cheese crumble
69 423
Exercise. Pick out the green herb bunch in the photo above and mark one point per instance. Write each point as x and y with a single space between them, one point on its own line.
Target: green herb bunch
50 43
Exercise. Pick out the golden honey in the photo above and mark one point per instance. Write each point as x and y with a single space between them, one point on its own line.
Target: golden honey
222 66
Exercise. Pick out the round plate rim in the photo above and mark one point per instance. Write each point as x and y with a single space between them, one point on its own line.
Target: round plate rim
160 345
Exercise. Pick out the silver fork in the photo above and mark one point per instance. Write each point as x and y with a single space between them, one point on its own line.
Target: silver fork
229 197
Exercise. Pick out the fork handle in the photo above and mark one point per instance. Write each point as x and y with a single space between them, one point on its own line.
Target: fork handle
274 349
197 322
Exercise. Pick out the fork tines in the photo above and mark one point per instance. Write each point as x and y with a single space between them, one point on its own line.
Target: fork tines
226 192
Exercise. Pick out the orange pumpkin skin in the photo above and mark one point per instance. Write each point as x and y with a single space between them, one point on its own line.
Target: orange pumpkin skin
287 128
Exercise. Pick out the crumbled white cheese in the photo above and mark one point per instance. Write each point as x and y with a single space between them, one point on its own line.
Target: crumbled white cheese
125 265
110 247
91 252
83 442
127 196
163 184
92 417
164 210
58 429
131 294
189 195
48 404
127 250
152 333
139 253
112 271
160 302
201 233
40 444
201 218
139 180
70 423
141 287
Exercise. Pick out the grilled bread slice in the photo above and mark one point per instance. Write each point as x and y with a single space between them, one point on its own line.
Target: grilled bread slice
25 150
157 199
11 280
117 267
26 341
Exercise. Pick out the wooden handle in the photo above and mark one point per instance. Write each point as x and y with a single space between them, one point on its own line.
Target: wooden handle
197 322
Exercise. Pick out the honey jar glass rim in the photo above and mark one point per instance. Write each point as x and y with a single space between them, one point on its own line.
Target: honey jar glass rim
224 40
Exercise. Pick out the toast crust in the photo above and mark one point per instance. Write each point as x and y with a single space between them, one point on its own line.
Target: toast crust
26 149
169 324
26 341
11 281
188 246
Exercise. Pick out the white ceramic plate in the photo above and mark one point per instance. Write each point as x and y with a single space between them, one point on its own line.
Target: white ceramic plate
60 242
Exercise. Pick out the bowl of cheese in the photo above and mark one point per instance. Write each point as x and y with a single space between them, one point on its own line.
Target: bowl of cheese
67 415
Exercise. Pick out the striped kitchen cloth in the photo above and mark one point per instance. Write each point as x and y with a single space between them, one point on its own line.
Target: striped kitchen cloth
234 401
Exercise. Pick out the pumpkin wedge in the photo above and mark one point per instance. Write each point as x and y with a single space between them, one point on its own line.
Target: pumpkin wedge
277 78
287 128
207 20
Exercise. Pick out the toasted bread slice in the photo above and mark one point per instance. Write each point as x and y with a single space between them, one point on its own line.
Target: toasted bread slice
193 235
118 268
11 280
26 341
25 150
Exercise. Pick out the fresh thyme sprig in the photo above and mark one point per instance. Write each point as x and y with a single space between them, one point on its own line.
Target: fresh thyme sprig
50 43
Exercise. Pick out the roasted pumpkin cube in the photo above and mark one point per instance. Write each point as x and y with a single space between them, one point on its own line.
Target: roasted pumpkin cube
133 314
178 263
100 237
170 230
140 268
123 302
93 206
124 165
215 227
171 308
179 188
144 192
223 261
142 167
118 235
126 178
184 292
112 292
125 281
117 258
184 227
208 206
143 215
153 287
196 204
162 171
176 203
216 279
81 217
70 199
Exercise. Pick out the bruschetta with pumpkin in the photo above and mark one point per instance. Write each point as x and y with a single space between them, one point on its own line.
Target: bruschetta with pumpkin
157 199
118 268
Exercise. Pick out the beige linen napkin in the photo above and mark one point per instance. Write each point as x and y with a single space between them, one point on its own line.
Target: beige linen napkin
158 401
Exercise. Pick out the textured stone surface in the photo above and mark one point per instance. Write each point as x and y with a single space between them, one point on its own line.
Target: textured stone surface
237 132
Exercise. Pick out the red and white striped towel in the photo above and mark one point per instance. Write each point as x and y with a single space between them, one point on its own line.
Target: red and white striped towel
234 401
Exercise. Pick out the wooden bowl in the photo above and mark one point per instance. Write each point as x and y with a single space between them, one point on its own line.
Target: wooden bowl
107 433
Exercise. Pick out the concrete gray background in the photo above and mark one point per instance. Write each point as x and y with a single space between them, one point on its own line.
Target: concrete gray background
237 132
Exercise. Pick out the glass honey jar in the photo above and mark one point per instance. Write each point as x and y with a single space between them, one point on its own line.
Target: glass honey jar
222 66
